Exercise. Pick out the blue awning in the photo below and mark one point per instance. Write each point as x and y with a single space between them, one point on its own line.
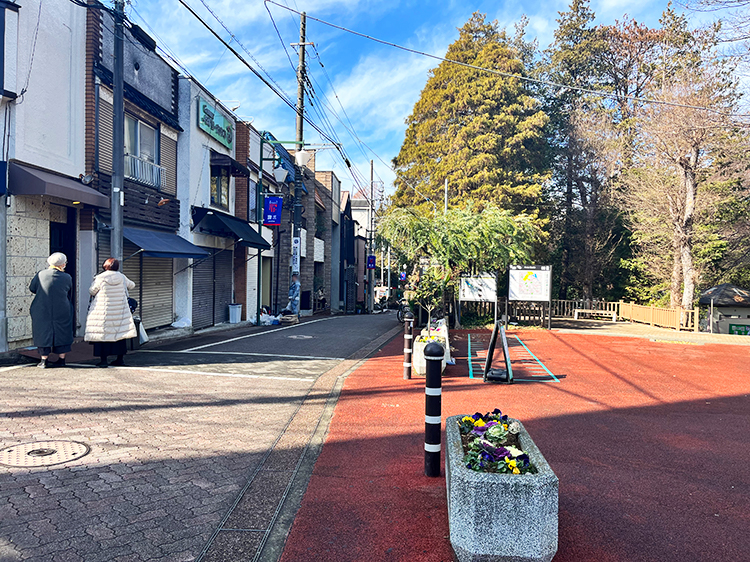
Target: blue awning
157 244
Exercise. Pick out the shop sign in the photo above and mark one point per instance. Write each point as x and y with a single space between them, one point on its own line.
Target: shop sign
370 262
296 243
272 210
213 122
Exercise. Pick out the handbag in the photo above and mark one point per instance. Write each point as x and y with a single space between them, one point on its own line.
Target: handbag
142 335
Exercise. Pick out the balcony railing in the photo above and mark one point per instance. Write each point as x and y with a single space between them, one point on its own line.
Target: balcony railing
143 171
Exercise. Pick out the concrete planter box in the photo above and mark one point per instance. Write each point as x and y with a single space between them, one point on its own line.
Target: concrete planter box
500 517
419 363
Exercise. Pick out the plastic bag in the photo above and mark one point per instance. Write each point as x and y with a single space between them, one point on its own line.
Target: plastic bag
142 335
181 323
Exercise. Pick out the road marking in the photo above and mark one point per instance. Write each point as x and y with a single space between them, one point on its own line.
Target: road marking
201 373
250 353
16 367
260 334
537 359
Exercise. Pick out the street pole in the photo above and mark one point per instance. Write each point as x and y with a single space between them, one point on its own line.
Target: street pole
259 220
297 210
370 272
117 196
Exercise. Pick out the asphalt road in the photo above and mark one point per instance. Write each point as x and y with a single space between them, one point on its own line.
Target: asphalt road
195 445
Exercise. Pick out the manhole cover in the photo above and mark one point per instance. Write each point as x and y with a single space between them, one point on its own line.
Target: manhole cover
43 453
300 337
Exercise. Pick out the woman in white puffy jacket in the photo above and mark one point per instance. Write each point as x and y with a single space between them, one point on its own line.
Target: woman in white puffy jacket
110 321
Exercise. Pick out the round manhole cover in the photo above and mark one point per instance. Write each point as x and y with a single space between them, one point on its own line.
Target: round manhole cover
300 337
43 453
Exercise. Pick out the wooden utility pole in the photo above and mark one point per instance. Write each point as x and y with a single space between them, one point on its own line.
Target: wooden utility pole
117 195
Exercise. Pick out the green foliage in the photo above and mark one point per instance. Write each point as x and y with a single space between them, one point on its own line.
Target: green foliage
482 131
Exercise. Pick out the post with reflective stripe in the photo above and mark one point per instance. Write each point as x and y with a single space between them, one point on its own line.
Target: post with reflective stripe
433 355
408 343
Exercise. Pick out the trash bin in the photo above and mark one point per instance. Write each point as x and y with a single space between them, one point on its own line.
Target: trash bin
235 313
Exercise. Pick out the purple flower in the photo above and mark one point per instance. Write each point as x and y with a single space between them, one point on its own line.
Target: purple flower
496 411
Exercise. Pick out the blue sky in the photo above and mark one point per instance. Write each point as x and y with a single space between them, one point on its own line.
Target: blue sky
377 85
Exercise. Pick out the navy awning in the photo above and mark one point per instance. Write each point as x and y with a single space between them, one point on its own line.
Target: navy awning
158 244
226 161
27 180
227 226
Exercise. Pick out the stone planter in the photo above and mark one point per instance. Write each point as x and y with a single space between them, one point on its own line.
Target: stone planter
419 363
500 517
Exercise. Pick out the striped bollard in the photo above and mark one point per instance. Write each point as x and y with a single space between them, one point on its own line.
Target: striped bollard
408 343
433 354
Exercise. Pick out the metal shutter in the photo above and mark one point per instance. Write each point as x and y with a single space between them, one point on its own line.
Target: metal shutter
203 292
106 124
157 295
223 276
169 161
103 249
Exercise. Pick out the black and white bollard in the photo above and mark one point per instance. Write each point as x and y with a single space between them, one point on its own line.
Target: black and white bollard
408 343
433 354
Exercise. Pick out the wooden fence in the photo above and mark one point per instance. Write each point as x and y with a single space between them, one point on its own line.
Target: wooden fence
535 312
674 318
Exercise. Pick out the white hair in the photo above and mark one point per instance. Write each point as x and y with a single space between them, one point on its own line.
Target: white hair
57 259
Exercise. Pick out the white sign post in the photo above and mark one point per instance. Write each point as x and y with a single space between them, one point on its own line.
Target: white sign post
296 243
531 283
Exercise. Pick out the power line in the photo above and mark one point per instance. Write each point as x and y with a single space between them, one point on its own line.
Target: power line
257 74
538 81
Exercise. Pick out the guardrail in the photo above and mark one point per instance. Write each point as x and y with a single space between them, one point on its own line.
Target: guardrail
143 171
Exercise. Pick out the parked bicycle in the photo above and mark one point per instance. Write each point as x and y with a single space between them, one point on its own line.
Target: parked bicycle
403 308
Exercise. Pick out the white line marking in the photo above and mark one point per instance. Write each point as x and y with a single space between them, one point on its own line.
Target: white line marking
202 373
432 448
436 420
429 391
260 333
247 353
16 367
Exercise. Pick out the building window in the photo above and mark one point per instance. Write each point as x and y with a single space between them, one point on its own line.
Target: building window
252 200
141 153
140 140
220 186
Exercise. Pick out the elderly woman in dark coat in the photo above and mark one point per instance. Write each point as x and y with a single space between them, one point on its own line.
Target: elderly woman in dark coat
52 310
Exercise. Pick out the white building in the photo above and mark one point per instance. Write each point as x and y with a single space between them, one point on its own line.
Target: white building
42 83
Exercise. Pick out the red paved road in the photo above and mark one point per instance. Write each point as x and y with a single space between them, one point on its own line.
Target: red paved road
649 441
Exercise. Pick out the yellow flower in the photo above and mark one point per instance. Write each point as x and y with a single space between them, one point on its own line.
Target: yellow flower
516 471
467 418
479 423
510 463
505 426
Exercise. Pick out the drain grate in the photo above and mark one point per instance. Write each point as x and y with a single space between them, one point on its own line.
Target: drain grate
43 453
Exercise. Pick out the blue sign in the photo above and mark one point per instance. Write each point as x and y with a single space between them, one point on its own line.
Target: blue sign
272 210
370 262
402 276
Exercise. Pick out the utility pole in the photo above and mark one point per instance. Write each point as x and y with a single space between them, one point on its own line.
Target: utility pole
370 245
297 210
117 195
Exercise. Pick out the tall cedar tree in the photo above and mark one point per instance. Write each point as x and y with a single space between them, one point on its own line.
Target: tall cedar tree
484 132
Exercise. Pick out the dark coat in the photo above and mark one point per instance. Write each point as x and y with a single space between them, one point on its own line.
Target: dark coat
52 308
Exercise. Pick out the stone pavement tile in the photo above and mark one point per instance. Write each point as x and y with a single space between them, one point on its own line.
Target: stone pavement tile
233 546
258 505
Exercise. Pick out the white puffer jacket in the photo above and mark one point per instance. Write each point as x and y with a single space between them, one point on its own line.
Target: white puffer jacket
109 316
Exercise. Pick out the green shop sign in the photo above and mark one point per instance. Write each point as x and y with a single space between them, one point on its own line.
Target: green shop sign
739 329
214 123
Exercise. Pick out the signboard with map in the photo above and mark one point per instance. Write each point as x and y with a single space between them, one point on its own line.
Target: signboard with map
739 329
480 288
530 283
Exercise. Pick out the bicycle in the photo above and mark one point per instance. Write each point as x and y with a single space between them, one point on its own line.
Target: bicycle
403 308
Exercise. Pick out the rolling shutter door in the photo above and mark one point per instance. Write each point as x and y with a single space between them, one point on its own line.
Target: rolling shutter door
103 249
203 292
157 299
131 268
223 276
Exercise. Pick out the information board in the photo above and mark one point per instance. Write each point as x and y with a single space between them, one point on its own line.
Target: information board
739 329
530 283
296 244
479 288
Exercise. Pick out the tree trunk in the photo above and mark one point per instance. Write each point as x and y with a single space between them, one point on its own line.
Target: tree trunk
688 166
565 269
675 288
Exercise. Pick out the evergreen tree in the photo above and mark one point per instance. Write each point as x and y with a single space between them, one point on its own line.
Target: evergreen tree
484 132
